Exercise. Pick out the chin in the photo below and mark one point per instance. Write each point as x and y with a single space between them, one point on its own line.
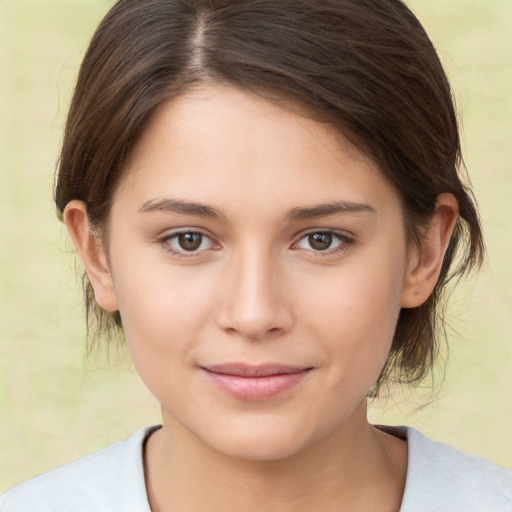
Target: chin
260 440
260 449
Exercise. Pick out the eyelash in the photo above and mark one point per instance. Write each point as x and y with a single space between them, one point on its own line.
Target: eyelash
344 243
165 241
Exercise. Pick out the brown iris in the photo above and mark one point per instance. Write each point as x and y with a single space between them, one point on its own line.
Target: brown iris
320 241
190 241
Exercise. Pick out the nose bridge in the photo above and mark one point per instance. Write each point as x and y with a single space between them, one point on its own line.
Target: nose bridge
253 303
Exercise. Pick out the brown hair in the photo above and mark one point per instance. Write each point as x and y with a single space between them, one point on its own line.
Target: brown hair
365 66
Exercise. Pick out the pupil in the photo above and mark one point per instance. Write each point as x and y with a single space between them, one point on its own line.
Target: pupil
190 241
320 241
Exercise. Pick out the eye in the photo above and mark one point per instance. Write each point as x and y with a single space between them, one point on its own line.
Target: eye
323 241
188 242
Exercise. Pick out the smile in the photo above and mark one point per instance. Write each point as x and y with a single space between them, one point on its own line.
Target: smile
254 383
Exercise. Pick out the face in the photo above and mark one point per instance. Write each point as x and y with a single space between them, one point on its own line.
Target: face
258 262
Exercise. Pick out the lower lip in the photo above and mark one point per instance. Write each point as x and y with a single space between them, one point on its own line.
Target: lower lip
255 389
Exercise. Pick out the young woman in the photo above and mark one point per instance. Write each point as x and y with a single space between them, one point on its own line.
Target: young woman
266 201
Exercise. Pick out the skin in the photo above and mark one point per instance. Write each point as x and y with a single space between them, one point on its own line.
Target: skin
257 290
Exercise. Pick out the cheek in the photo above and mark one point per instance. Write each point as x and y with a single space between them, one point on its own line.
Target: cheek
162 308
163 316
357 300
355 309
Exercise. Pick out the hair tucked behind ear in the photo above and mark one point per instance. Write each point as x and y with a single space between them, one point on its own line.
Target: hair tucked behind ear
365 66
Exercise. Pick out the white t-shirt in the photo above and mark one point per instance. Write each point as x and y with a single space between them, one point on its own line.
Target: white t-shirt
439 479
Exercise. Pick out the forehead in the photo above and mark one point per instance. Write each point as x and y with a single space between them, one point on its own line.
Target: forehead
224 145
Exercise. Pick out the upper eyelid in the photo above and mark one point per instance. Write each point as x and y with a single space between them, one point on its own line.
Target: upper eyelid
179 231
337 232
345 241
175 233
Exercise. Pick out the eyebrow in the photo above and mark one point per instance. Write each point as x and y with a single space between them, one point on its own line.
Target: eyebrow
327 209
172 205
181 207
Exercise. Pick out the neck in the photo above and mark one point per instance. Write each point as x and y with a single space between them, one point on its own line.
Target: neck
354 468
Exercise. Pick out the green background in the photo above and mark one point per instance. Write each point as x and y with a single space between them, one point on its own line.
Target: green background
55 406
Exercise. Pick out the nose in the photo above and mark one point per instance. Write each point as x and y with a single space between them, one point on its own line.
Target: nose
254 304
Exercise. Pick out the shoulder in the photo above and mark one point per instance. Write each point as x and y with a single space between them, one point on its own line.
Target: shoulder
109 479
441 478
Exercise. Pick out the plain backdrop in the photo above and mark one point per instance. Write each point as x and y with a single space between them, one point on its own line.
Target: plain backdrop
55 406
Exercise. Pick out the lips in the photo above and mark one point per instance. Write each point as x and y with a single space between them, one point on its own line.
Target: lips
254 383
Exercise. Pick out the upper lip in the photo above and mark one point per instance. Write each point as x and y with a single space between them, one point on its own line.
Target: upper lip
247 370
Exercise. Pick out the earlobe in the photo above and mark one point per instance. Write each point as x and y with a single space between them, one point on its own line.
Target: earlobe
425 262
92 252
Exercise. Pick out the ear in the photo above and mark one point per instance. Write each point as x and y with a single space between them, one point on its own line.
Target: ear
425 262
92 252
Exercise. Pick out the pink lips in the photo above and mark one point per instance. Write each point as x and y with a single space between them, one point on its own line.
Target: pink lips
254 383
